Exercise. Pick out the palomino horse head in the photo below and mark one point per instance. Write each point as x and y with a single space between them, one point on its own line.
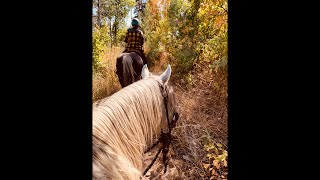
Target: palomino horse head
171 111
128 122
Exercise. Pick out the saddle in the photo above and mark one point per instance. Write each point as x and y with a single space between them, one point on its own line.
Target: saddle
133 50
139 53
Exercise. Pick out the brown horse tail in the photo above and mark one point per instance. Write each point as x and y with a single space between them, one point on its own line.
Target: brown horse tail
128 71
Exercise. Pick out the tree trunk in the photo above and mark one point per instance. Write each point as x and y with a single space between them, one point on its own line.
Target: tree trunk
110 32
99 22
115 30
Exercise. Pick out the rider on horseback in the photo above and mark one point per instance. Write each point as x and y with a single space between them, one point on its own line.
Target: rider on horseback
134 40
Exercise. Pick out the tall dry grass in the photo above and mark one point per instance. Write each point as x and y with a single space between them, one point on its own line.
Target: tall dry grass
104 79
202 101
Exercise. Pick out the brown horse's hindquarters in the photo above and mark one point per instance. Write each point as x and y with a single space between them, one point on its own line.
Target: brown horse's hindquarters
137 64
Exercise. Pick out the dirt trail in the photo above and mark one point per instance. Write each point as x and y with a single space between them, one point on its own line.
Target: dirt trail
201 118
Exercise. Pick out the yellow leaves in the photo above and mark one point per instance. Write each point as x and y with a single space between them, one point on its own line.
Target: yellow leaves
209 9
213 171
206 166
216 163
223 156
218 22
172 27
217 160
210 171
202 11
190 79
223 28
225 164
209 146
213 26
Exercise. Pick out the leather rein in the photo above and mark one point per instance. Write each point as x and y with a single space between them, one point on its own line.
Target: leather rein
165 137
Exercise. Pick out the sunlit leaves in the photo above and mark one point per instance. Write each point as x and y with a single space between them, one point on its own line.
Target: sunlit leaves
206 166
113 13
191 32
213 17
100 39
216 165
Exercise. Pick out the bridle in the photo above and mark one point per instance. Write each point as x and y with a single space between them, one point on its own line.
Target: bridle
175 115
165 137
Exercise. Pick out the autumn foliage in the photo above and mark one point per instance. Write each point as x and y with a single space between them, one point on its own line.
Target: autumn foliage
192 35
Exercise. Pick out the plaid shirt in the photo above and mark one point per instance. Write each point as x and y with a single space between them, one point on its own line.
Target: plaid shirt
134 39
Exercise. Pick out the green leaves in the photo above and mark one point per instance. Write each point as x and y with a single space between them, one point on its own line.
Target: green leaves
112 14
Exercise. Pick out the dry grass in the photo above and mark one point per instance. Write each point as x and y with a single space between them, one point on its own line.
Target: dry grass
203 120
105 81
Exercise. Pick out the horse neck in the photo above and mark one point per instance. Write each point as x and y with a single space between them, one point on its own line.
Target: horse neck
143 124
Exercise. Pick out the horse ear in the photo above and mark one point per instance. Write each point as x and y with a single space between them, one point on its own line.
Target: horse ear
165 76
145 71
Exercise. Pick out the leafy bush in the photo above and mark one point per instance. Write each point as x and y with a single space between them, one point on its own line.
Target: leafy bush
217 161
100 39
192 32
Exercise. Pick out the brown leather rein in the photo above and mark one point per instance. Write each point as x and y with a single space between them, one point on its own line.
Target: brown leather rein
165 137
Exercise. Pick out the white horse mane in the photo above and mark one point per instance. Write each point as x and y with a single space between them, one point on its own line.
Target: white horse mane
125 125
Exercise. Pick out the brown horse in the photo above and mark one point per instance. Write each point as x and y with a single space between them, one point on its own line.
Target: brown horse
129 66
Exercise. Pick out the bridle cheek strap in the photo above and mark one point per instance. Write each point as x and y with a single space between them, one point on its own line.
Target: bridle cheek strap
165 137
